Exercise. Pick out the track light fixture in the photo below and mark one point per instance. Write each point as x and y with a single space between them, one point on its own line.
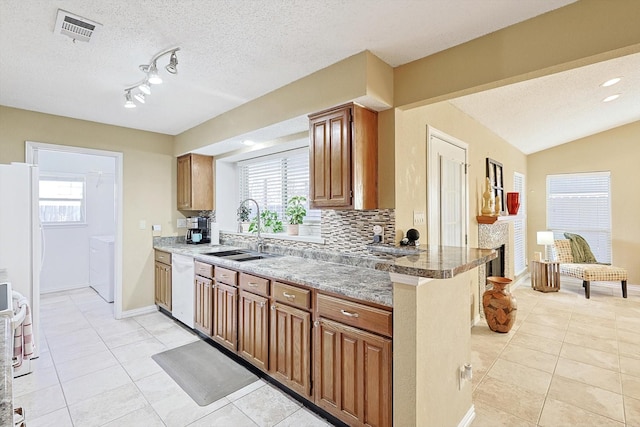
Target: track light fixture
152 77
129 102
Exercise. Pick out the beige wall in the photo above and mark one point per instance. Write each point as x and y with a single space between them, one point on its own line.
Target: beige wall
581 33
616 150
148 181
411 165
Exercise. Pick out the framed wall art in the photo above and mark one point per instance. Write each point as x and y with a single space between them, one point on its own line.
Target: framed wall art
494 173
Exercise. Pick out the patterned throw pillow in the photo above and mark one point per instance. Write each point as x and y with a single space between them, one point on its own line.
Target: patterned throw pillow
563 251
580 249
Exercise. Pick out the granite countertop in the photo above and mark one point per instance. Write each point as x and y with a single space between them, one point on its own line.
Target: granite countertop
362 277
6 375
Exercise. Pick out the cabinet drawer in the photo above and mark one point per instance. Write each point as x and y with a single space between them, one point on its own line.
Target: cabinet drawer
355 314
227 276
292 295
204 270
163 257
254 284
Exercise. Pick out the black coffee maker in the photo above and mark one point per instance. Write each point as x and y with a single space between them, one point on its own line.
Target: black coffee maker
198 230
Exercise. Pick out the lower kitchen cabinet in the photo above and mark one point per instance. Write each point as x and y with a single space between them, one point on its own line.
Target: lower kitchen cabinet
162 294
225 315
204 304
253 333
353 374
290 348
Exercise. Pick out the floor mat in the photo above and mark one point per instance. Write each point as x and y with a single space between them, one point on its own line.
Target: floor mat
204 372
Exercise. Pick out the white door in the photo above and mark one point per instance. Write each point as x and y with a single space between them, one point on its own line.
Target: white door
447 190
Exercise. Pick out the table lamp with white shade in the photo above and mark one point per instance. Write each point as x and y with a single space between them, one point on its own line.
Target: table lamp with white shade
545 238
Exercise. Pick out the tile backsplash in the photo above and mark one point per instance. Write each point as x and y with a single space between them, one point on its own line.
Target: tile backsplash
347 231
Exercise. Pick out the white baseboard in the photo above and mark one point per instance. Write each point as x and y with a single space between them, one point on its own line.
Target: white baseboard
468 418
139 311
64 288
520 281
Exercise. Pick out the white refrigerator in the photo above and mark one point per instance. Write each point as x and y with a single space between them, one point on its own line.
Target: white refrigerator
21 240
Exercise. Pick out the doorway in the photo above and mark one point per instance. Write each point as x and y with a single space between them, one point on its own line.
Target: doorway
93 214
447 191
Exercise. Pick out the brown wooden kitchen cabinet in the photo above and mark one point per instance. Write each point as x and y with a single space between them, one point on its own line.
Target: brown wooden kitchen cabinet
225 315
290 347
353 366
162 280
343 168
253 331
195 182
353 374
203 312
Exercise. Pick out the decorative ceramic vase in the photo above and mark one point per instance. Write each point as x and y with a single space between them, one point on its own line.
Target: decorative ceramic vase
499 305
513 203
487 208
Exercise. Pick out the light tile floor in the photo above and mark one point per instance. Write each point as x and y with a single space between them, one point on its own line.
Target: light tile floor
568 361
94 370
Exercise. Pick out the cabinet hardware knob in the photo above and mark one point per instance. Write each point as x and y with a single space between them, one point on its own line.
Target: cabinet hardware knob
262 304
316 323
273 307
288 295
224 276
348 313
253 285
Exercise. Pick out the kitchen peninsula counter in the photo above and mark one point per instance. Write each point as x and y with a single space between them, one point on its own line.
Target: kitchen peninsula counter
361 277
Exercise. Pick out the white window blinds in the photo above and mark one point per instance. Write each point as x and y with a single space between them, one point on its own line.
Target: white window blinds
273 180
62 199
520 227
580 203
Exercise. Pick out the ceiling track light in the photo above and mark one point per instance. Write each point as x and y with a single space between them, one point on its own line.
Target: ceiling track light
128 101
152 77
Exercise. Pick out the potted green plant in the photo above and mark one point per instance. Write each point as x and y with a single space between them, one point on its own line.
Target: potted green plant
269 223
295 214
243 218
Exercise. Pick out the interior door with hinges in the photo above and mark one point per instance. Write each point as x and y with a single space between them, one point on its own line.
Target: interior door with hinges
447 190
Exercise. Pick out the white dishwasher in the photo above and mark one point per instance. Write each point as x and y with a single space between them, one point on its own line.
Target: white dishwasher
182 289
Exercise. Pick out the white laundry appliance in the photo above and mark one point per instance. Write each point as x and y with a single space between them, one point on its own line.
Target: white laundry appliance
21 242
101 266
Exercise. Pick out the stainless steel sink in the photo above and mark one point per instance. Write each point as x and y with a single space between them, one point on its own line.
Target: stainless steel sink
241 255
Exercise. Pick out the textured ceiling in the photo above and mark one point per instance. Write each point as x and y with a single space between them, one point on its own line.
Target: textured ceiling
233 51
537 114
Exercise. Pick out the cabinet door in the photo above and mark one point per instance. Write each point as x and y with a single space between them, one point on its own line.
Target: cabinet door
203 303
291 347
330 159
353 374
184 182
253 333
225 311
162 285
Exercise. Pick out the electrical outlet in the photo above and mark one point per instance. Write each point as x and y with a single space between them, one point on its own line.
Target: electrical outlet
156 227
419 217
142 224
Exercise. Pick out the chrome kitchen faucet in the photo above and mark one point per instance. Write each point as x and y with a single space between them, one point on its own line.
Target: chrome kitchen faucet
260 241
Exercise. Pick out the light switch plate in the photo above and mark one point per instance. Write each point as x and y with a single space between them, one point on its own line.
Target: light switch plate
142 224
419 217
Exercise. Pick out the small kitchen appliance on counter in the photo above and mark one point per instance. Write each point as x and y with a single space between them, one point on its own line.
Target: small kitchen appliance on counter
198 230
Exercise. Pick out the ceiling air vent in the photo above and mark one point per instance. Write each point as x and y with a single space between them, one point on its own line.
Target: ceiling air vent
74 26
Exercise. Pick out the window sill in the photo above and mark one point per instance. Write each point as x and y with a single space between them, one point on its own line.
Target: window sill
64 224
281 236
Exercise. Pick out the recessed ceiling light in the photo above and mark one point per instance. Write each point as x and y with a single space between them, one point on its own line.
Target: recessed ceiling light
611 82
611 97
248 142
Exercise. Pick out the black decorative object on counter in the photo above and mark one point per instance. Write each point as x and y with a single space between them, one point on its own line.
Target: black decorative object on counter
412 238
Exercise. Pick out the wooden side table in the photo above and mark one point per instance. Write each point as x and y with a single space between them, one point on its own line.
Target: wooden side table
545 276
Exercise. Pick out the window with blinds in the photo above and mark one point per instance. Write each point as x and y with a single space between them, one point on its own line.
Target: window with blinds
272 180
580 203
520 227
62 199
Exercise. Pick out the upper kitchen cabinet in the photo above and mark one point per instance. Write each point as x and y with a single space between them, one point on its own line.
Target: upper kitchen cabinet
343 164
195 182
